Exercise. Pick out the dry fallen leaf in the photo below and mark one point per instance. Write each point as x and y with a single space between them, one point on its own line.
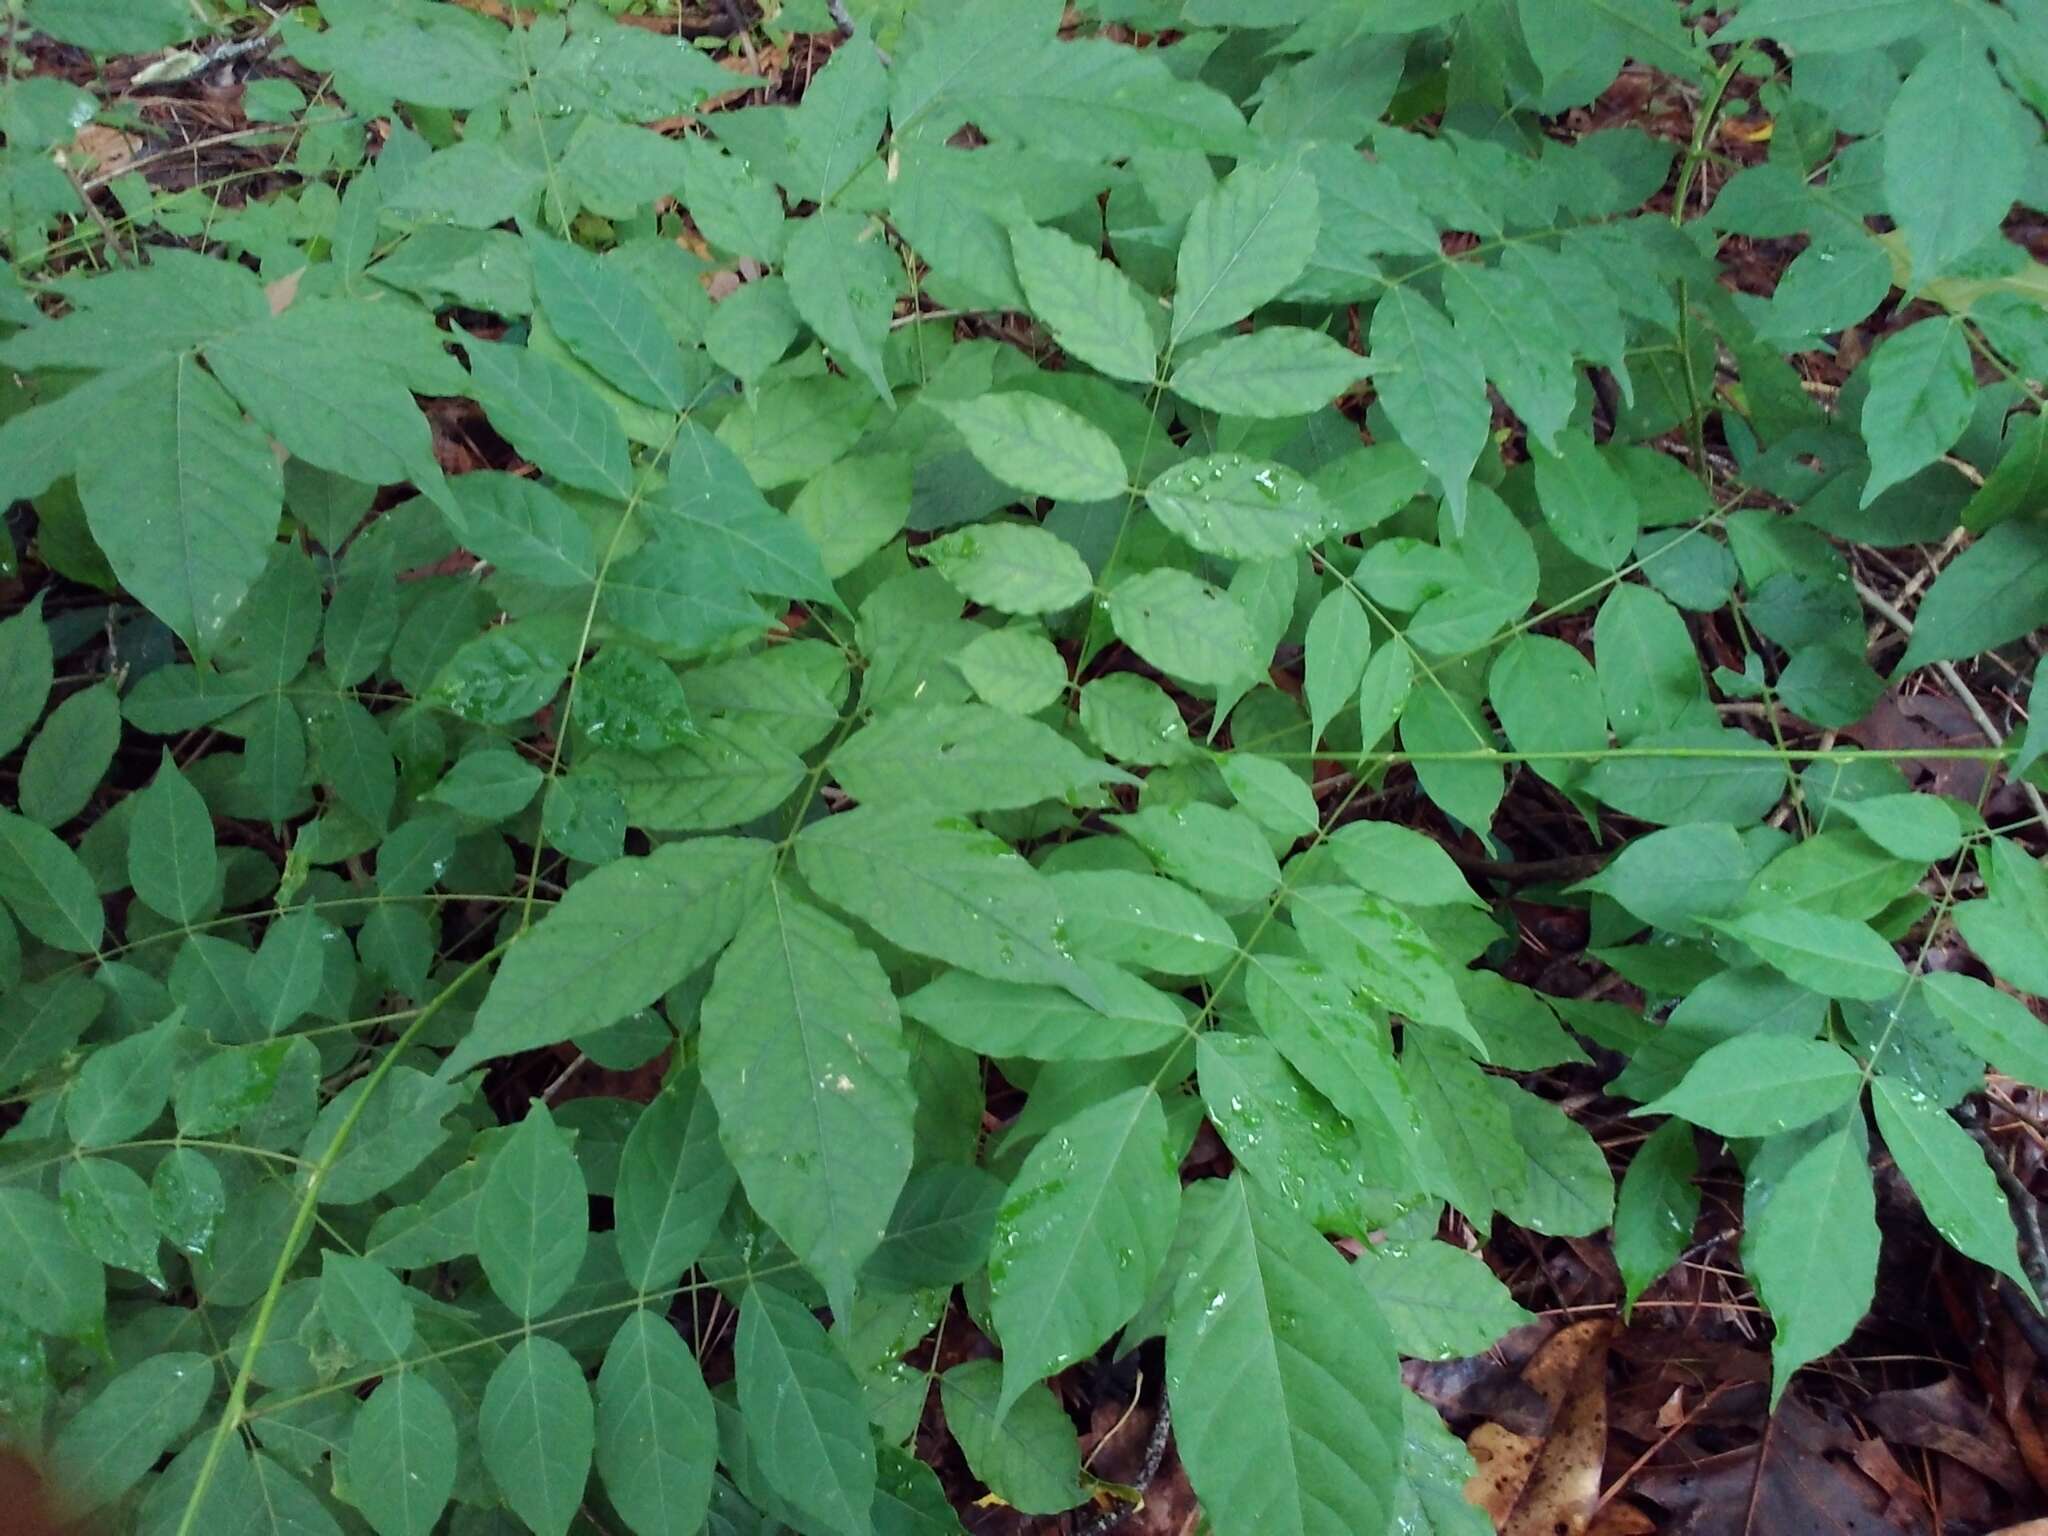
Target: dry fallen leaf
1550 1486
101 151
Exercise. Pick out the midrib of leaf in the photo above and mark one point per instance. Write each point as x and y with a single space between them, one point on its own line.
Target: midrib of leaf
1236 257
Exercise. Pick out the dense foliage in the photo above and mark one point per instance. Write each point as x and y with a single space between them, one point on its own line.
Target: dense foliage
962 711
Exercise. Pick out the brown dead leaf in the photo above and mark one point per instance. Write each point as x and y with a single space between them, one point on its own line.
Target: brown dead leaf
1549 1485
1622 1520
283 291
1943 1418
1800 1477
101 151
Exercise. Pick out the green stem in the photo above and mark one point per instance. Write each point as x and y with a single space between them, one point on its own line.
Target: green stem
302 1219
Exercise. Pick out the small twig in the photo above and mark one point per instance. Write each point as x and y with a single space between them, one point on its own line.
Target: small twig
548 1093
1155 1456
184 149
2026 1210
1955 684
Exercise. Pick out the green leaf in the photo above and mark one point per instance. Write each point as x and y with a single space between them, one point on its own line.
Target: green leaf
551 417
855 507
1657 1208
1435 726
632 702
1709 775
111 1442
1586 45
1833 956
1012 567
1335 650
1434 390
1016 670
1093 310
1277 372
536 1430
121 1088
26 670
1955 151
138 26
804 1414
46 1279
365 1307
1079 1237
1917 827
1587 505
1828 26
1501 319
1283 1134
1400 864
1038 446
402 1456
1246 241
1957 1188
710 500
620 938
1185 627
607 321
1384 952
1205 846
940 886
70 755
490 784
1384 690
1761 1085
107 1206
1999 1028
1567 1188
1810 1246
1923 387
803 1053
843 277
1028 1456
1440 1302
1649 672
1674 878
171 858
523 529
1547 699
1143 921
47 887
1238 507
837 122
533 1221
1993 593
1273 794
1003 1019
285 977
211 487
354 415
966 757
672 1187
1283 1378
657 1437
